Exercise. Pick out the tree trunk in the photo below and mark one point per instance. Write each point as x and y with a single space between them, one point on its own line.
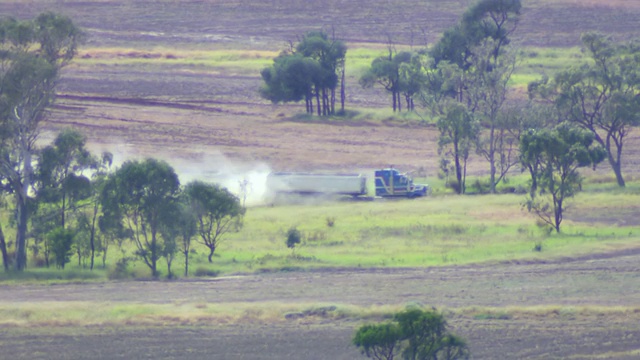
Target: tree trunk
93 235
342 90
333 101
211 250
557 213
616 163
3 248
21 233
186 262
318 101
456 159
393 96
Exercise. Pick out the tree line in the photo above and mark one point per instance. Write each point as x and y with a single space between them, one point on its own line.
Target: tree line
463 81
66 199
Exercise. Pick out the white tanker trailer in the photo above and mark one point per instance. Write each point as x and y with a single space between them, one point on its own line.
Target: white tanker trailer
309 184
388 183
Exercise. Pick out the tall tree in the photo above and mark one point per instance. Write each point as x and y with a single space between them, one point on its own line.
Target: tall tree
216 211
141 193
556 154
476 47
311 70
487 19
487 86
458 132
415 334
600 96
395 73
31 56
60 172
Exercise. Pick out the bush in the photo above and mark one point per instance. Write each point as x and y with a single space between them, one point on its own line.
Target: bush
202 271
120 270
293 238
414 333
331 221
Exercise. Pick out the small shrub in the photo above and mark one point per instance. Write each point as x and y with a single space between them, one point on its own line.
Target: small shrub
120 270
202 271
537 246
293 238
331 221
453 185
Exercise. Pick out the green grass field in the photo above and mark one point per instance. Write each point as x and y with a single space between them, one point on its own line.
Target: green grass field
439 230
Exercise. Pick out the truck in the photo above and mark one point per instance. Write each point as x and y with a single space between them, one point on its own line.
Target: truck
388 183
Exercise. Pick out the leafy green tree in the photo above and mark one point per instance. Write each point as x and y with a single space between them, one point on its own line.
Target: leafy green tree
216 211
393 73
31 56
379 341
600 96
291 78
61 241
487 19
331 55
179 226
555 156
60 172
97 240
188 228
140 193
415 334
487 87
309 71
458 132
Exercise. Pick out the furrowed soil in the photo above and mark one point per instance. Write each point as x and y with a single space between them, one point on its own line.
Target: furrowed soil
199 117
561 309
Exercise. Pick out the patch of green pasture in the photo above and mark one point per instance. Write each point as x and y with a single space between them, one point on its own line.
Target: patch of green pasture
44 314
52 275
236 59
426 232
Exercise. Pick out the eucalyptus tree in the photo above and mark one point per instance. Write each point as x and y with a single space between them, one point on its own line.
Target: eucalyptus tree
486 19
601 95
394 73
60 172
458 132
554 156
476 46
487 88
291 78
217 212
141 193
31 55
98 241
414 334
312 69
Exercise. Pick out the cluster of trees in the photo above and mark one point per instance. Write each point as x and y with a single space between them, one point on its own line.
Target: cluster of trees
66 199
462 81
414 334
313 69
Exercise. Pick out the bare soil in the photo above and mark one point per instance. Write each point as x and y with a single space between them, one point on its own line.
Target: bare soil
600 282
194 117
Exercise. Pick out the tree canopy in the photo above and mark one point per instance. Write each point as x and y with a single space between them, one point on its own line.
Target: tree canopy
311 70
553 157
32 52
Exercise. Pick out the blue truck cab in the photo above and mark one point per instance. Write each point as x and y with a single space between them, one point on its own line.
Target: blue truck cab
390 182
